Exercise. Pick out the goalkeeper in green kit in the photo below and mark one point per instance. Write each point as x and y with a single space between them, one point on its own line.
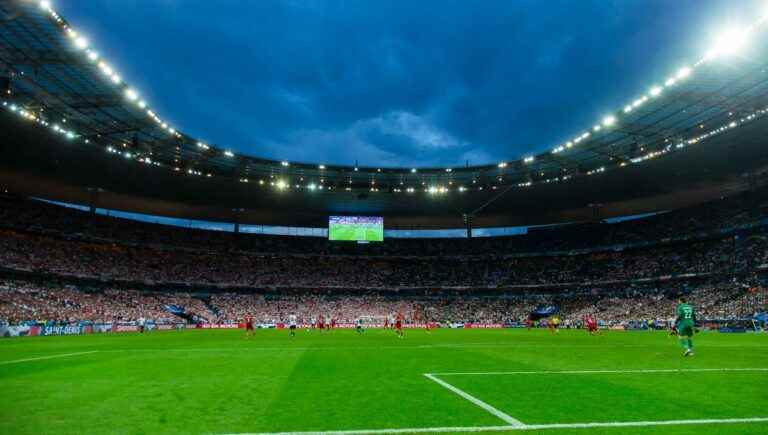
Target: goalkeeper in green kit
685 323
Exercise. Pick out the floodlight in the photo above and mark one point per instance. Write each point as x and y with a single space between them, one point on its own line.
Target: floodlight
81 43
728 42
683 73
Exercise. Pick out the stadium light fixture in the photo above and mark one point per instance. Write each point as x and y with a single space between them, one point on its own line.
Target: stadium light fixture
609 120
728 42
81 42
229 153
683 73
448 170
321 167
284 163
503 164
45 5
115 79
529 159
131 94
655 91
413 170
105 68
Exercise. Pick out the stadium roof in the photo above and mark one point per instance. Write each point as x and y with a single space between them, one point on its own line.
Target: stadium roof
54 82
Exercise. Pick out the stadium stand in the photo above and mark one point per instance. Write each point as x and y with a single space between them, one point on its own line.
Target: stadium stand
65 265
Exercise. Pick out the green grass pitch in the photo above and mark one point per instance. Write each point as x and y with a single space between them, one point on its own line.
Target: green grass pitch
216 381
356 232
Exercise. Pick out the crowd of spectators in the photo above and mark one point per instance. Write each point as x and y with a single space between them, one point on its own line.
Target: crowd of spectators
109 261
272 277
25 301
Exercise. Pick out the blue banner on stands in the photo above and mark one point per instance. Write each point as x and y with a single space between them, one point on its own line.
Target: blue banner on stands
545 310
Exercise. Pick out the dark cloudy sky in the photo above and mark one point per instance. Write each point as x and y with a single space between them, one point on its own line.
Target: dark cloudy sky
396 83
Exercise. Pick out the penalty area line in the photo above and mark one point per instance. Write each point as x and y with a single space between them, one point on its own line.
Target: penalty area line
523 427
507 418
597 372
61 355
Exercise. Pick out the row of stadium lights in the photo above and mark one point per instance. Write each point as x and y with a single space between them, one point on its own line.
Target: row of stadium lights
728 43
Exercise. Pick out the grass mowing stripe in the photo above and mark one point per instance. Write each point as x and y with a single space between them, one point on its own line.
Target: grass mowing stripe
507 418
61 355
590 372
523 427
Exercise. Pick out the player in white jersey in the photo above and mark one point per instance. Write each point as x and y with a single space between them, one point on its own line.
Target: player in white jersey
292 324
359 325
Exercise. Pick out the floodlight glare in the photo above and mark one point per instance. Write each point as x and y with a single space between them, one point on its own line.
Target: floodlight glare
728 42
655 91
131 94
683 73
45 5
81 43
105 68
609 121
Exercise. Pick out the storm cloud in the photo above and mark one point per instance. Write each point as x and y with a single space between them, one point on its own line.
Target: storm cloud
402 83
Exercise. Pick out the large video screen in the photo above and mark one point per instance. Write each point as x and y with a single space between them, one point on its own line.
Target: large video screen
356 228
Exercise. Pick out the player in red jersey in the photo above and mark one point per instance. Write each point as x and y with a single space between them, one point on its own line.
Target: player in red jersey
249 326
321 323
386 322
591 325
399 325
528 323
333 323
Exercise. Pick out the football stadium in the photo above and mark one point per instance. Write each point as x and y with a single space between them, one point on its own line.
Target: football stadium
334 217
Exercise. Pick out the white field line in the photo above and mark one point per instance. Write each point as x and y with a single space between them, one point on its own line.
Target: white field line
507 418
523 427
590 372
392 431
61 355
